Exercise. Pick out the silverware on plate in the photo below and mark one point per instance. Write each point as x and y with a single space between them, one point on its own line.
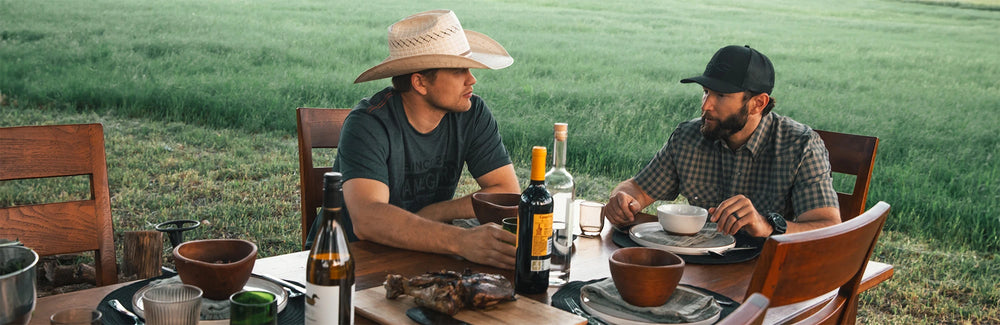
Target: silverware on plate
293 289
591 320
723 253
117 305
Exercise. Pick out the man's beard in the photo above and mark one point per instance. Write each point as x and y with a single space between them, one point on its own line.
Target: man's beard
727 127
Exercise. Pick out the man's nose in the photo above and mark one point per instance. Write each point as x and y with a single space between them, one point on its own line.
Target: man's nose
471 78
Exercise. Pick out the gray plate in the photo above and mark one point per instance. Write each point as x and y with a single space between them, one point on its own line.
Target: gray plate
651 234
253 284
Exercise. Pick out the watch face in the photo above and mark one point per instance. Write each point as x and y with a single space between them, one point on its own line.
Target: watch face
778 223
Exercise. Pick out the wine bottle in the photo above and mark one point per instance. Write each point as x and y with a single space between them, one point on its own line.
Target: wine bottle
330 267
559 182
534 231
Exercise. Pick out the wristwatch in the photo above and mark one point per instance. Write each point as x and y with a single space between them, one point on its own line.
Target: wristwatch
777 222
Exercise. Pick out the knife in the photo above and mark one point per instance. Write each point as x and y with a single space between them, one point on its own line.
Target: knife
427 316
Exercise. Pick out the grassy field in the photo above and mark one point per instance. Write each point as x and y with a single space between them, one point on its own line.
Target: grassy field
198 100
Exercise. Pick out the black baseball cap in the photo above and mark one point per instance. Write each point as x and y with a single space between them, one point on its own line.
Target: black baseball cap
735 69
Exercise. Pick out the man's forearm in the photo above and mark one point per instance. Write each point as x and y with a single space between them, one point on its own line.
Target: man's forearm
393 226
446 211
815 219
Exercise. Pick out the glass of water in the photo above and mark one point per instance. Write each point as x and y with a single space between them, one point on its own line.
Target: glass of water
591 219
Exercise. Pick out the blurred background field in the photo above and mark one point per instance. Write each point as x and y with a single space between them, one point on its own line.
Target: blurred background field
198 99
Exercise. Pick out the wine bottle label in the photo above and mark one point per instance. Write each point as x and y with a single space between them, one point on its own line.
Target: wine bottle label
541 265
541 235
323 304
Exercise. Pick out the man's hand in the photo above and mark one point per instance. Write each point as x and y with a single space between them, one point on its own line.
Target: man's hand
738 213
626 200
621 209
489 244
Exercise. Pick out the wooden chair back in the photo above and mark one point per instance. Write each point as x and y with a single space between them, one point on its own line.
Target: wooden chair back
317 128
31 152
797 267
751 312
852 155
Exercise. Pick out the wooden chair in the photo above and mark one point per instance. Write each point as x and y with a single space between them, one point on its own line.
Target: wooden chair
317 128
31 152
797 267
853 155
751 312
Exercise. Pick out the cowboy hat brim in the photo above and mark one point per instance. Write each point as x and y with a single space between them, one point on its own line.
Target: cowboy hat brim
484 53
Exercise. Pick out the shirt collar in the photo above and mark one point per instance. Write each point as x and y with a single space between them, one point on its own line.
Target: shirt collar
759 135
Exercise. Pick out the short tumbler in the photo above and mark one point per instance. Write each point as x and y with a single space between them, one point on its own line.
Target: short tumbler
76 316
253 308
172 304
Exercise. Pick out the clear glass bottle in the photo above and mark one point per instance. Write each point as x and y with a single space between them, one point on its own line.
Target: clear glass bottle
559 183
330 267
534 231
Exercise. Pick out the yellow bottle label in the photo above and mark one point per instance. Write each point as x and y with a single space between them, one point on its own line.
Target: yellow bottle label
540 234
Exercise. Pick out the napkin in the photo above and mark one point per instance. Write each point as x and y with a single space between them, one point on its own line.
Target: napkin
709 236
210 309
684 306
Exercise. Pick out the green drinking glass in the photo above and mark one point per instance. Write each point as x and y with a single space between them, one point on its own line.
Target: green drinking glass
253 308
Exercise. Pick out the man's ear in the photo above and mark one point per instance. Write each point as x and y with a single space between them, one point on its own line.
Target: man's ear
418 81
757 103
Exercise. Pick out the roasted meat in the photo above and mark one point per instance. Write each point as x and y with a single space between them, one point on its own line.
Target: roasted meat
449 291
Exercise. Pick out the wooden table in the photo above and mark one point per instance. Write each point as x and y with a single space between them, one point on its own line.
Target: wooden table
375 261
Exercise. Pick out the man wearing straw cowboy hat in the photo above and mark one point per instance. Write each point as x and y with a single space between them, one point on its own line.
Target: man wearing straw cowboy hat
754 170
402 150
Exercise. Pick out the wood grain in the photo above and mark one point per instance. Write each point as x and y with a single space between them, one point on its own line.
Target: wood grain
372 304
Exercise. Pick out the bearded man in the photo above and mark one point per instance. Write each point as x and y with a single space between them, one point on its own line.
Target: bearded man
754 170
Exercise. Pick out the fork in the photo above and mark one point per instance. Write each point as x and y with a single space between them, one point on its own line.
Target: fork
591 320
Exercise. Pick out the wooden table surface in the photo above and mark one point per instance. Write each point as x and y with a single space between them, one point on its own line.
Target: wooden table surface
375 261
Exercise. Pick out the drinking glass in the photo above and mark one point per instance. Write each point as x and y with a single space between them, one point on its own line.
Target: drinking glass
562 253
172 304
591 219
76 316
510 224
253 308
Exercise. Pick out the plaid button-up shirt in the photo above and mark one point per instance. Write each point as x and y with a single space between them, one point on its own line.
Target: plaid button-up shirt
783 168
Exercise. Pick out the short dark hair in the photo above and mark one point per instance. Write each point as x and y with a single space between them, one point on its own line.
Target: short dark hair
770 103
401 83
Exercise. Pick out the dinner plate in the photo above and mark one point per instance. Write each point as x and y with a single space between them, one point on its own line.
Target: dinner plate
613 316
254 283
651 234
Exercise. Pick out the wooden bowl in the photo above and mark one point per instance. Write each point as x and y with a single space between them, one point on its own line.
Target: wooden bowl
493 207
219 267
645 277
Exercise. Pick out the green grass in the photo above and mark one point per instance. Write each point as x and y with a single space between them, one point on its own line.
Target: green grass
920 77
198 100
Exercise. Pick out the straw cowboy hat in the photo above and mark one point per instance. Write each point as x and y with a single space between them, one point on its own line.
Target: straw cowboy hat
435 39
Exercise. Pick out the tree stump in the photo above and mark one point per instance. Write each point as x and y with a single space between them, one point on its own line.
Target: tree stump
143 253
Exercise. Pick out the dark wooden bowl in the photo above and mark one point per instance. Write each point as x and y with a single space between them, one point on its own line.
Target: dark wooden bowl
645 277
220 267
493 207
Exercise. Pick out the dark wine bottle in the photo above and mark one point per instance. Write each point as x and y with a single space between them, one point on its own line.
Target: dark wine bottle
534 231
330 267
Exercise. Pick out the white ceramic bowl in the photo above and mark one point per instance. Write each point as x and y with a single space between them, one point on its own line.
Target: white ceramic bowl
681 219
